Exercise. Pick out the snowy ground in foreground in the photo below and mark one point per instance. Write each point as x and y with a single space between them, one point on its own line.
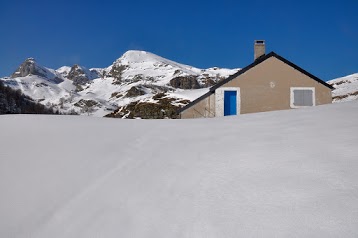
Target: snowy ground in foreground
280 174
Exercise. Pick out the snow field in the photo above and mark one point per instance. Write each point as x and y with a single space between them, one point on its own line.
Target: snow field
278 174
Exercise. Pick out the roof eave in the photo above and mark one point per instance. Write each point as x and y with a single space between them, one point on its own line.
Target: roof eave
195 101
253 64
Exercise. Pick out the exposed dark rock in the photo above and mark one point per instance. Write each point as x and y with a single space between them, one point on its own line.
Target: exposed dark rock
87 106
183 101
39 85
159 96
157 88
86 103
354 93
30 67
79 88
177 71
116 72
209 82
78 75
137 78
341 82
26 68
116 95
147 110
340 97
185 82
134 92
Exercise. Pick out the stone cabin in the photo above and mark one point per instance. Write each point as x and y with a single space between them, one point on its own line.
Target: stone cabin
270 83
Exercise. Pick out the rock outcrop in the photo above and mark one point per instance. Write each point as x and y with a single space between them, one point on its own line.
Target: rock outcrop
80 75
134 92
185 82
116 72
30 67
165 107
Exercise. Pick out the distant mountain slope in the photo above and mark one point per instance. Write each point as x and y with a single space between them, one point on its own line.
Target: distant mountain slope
346 88
153 86
14 102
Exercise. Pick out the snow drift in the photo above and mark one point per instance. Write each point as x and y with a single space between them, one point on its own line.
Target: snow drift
279 174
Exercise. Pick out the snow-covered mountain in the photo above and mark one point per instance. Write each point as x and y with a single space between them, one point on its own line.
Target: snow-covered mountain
346 88
138 84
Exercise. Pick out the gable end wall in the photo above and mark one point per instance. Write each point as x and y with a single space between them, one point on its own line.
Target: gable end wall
265 87
203 108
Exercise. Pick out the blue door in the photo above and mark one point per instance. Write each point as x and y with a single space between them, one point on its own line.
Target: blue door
230 103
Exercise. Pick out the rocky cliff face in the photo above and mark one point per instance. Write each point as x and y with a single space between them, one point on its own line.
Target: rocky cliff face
30 67
185 82
80 75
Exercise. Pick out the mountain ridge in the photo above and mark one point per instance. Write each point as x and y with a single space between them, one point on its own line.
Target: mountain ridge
135 78
138 84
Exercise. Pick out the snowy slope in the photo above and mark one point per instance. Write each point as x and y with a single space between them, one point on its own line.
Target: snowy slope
107 89
277 174
64 70
346 88
40 88
160 69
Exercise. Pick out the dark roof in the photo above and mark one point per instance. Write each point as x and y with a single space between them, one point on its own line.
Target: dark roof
256 62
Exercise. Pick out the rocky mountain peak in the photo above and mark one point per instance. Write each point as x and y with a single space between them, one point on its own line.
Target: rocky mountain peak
30 67
80 75
138 57
64 70
76 68
135 55
31 60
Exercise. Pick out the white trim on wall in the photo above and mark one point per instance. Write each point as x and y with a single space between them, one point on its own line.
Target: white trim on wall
292 98
219 100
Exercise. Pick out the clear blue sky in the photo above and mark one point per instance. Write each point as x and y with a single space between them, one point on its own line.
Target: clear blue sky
319 36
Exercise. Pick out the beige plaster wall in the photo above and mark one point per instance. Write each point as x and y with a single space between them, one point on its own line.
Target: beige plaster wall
204 108
266 87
